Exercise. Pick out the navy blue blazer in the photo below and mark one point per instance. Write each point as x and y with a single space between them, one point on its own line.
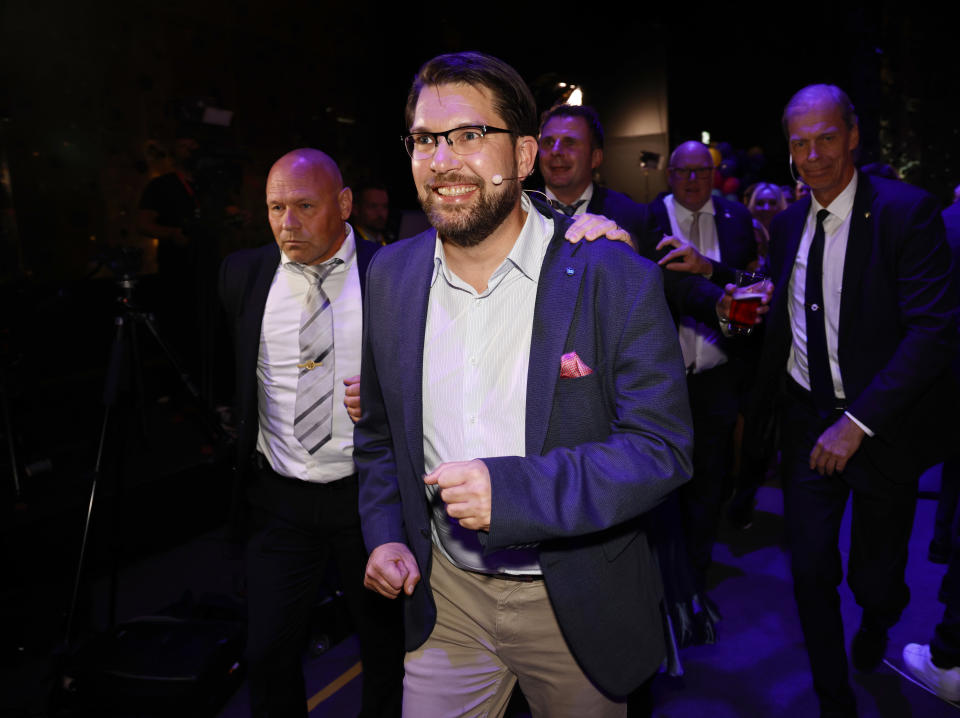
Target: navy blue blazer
601 449
897 333
687 294
738 246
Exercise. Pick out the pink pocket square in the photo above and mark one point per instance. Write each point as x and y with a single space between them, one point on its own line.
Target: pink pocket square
571 366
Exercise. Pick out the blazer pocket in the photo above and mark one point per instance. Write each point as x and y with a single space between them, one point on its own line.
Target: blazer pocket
617 545
577 402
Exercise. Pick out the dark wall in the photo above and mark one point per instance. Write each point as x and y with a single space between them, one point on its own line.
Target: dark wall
85 86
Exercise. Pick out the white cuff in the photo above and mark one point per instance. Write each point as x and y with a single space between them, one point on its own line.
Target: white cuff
855 420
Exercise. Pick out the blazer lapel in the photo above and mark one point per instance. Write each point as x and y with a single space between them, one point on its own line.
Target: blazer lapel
595 206
255 303
559 286
794 232
725 242
413 295
859 242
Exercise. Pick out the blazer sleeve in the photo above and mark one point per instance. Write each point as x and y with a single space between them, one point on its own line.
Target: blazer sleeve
381 510
926 295
634 456
687 294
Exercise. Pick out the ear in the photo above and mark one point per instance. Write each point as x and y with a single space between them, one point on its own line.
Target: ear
345 201
854 137
526 154
596 158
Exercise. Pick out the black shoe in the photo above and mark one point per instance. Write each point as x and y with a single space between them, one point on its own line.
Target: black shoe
684 629
708 606
938 553
868 647
740 514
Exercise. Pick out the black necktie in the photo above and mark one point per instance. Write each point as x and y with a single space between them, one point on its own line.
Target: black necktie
567 209
818 361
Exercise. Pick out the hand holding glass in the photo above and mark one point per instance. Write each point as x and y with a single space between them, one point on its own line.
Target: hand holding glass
746 300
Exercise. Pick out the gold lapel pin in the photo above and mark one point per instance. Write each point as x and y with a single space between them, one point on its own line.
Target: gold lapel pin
866 215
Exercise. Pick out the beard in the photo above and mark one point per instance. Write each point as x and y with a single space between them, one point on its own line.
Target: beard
469 226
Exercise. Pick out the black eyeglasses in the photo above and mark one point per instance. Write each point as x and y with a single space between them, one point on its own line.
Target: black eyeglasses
687 172
461 140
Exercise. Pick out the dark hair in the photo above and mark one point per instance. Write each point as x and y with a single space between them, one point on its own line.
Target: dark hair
361 187
586 112
512 99
813 93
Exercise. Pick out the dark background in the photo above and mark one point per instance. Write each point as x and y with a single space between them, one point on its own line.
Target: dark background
87 88
86 85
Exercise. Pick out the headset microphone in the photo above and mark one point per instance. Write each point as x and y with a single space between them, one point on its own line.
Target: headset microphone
792 172
499 179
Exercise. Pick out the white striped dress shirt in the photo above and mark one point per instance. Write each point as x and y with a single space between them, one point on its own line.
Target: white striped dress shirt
475 355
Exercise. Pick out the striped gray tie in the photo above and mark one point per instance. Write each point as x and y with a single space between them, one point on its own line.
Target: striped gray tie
313 420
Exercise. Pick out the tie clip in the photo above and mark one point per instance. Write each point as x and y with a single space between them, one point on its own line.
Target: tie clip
310 365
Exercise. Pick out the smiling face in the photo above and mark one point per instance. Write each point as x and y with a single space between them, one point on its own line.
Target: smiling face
765 204
691 175
307 206
567 156
454 190
822 147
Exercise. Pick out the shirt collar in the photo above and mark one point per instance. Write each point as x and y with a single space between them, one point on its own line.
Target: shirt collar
526 254
682 213
346 253
842 204
587 195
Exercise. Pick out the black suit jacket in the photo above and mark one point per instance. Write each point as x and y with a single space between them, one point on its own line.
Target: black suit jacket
687 294
897 332
738 247
245 279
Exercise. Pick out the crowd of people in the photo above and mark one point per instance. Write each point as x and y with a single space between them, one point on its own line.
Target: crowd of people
520 437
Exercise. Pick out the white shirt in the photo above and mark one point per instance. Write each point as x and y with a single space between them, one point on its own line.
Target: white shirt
699 343
475 355
277 368
586 195
836 231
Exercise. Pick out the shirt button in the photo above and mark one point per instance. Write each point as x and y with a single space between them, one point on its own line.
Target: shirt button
473 361
473 420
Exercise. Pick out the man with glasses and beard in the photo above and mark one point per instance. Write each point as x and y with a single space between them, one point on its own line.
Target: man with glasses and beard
523 406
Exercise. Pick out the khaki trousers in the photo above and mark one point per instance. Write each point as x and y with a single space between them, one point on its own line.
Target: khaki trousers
490 633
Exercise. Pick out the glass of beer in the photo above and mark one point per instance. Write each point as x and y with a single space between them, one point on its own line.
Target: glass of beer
746 300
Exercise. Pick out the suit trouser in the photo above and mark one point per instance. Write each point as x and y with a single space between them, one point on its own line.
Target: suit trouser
714 402
491 632
945 646
947 502
882 521
297 527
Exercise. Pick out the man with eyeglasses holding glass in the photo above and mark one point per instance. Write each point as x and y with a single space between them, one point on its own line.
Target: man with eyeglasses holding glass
710 237
491 336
